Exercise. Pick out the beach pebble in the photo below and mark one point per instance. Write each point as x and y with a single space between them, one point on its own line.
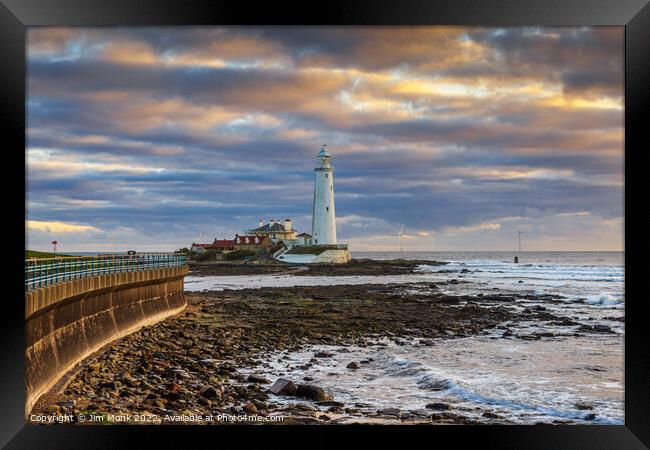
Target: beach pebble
312 392
438 406
283 386
258 379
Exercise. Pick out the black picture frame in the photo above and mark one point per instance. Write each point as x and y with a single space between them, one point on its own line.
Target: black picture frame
17 15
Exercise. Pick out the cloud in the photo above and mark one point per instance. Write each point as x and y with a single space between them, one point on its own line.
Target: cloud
58 227
471 228
574 214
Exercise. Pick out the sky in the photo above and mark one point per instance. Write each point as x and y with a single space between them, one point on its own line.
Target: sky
156 136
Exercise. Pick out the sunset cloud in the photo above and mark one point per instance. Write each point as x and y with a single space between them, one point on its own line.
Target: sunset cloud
58 227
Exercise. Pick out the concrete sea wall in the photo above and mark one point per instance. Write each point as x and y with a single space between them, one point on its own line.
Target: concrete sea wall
68 321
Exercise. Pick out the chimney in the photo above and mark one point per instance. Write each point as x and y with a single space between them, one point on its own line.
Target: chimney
287 224
260 223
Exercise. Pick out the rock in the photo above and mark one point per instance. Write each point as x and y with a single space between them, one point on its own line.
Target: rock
323 355
583 407
389 412
172 395
312 393
211 393
353 365
283 386
250 408
563 323
173 387
305 407
489 415
67 404
258 379
590 417
529 337
308 378
545 334
204 401
438 406
179 373
416 413
596 328
259 405
330 403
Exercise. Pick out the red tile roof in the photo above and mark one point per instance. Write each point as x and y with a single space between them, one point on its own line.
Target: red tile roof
222 243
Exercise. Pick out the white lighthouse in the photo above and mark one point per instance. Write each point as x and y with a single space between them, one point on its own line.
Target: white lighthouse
323 225
323 247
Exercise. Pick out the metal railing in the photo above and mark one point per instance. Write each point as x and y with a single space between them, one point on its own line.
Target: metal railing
43 272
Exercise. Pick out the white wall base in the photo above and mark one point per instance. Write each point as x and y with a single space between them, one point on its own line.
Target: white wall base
333 256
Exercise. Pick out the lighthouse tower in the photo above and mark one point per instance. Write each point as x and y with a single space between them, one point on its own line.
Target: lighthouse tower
323 226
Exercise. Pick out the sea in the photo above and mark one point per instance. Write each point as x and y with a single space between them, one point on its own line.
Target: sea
569 376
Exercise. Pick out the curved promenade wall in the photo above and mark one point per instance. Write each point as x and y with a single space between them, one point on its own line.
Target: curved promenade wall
68 321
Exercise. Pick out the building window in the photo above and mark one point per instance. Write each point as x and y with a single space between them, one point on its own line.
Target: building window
327 208
316 241
327 175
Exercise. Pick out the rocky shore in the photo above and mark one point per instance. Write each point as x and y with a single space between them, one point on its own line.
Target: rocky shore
214 357
269 266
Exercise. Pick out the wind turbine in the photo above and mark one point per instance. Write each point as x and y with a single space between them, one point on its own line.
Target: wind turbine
110 243
401 236
198 239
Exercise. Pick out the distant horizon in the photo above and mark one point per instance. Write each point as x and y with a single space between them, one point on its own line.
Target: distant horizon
352 250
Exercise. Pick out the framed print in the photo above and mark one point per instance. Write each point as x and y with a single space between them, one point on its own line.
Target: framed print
406 218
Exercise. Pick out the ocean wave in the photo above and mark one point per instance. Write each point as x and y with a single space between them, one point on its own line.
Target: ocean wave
429 380
603 299
533 273
514 405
